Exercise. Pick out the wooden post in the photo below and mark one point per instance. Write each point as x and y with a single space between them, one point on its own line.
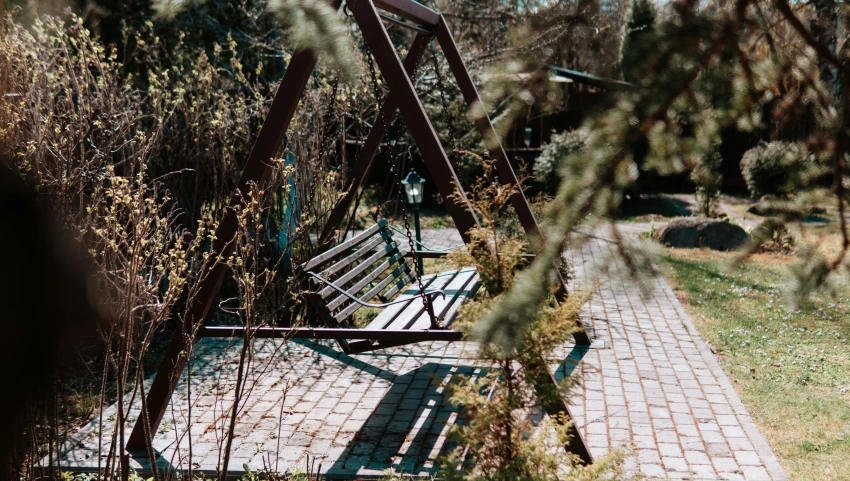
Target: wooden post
546 392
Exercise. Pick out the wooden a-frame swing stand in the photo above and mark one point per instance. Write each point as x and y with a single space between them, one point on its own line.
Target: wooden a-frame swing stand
370 15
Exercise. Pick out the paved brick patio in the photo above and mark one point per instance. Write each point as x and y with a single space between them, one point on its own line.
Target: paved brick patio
655 388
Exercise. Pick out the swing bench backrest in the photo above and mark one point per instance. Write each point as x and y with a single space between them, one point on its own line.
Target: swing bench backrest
368 266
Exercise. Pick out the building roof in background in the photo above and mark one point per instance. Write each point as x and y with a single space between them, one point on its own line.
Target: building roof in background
522 76
590 79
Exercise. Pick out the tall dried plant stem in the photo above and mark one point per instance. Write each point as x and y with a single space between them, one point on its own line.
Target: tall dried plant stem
237 399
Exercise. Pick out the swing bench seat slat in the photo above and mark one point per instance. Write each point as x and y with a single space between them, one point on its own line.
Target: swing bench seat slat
370 271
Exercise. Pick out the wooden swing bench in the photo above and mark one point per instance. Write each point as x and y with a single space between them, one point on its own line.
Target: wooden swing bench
367 267
371 266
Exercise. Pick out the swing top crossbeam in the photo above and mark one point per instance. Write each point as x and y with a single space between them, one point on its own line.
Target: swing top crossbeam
370 16
411 11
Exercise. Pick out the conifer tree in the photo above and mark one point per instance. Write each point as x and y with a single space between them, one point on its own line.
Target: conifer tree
637 36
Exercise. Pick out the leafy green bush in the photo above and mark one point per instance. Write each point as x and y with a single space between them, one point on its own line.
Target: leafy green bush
559 146
774 168
708 180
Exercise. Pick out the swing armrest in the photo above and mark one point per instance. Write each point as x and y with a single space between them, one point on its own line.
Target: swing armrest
441 254
345 293
426 254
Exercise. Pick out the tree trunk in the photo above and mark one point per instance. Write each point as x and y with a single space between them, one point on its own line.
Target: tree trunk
824 25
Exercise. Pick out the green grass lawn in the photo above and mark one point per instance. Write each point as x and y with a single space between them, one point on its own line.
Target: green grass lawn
791 368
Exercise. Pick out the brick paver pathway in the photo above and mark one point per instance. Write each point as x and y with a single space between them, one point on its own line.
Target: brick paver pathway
659 389
655 388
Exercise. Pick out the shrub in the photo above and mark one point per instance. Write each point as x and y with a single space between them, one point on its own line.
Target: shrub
774 168
708 180
775 237
559 146
503 436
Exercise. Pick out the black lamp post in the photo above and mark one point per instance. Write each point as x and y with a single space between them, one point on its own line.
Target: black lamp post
413 187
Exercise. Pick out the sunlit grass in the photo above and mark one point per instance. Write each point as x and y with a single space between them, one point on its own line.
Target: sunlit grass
791 368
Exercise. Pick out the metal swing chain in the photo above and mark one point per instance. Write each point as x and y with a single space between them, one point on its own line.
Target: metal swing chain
426 303
445 104
323 143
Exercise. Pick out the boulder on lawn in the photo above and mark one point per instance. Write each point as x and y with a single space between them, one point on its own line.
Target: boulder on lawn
702 232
